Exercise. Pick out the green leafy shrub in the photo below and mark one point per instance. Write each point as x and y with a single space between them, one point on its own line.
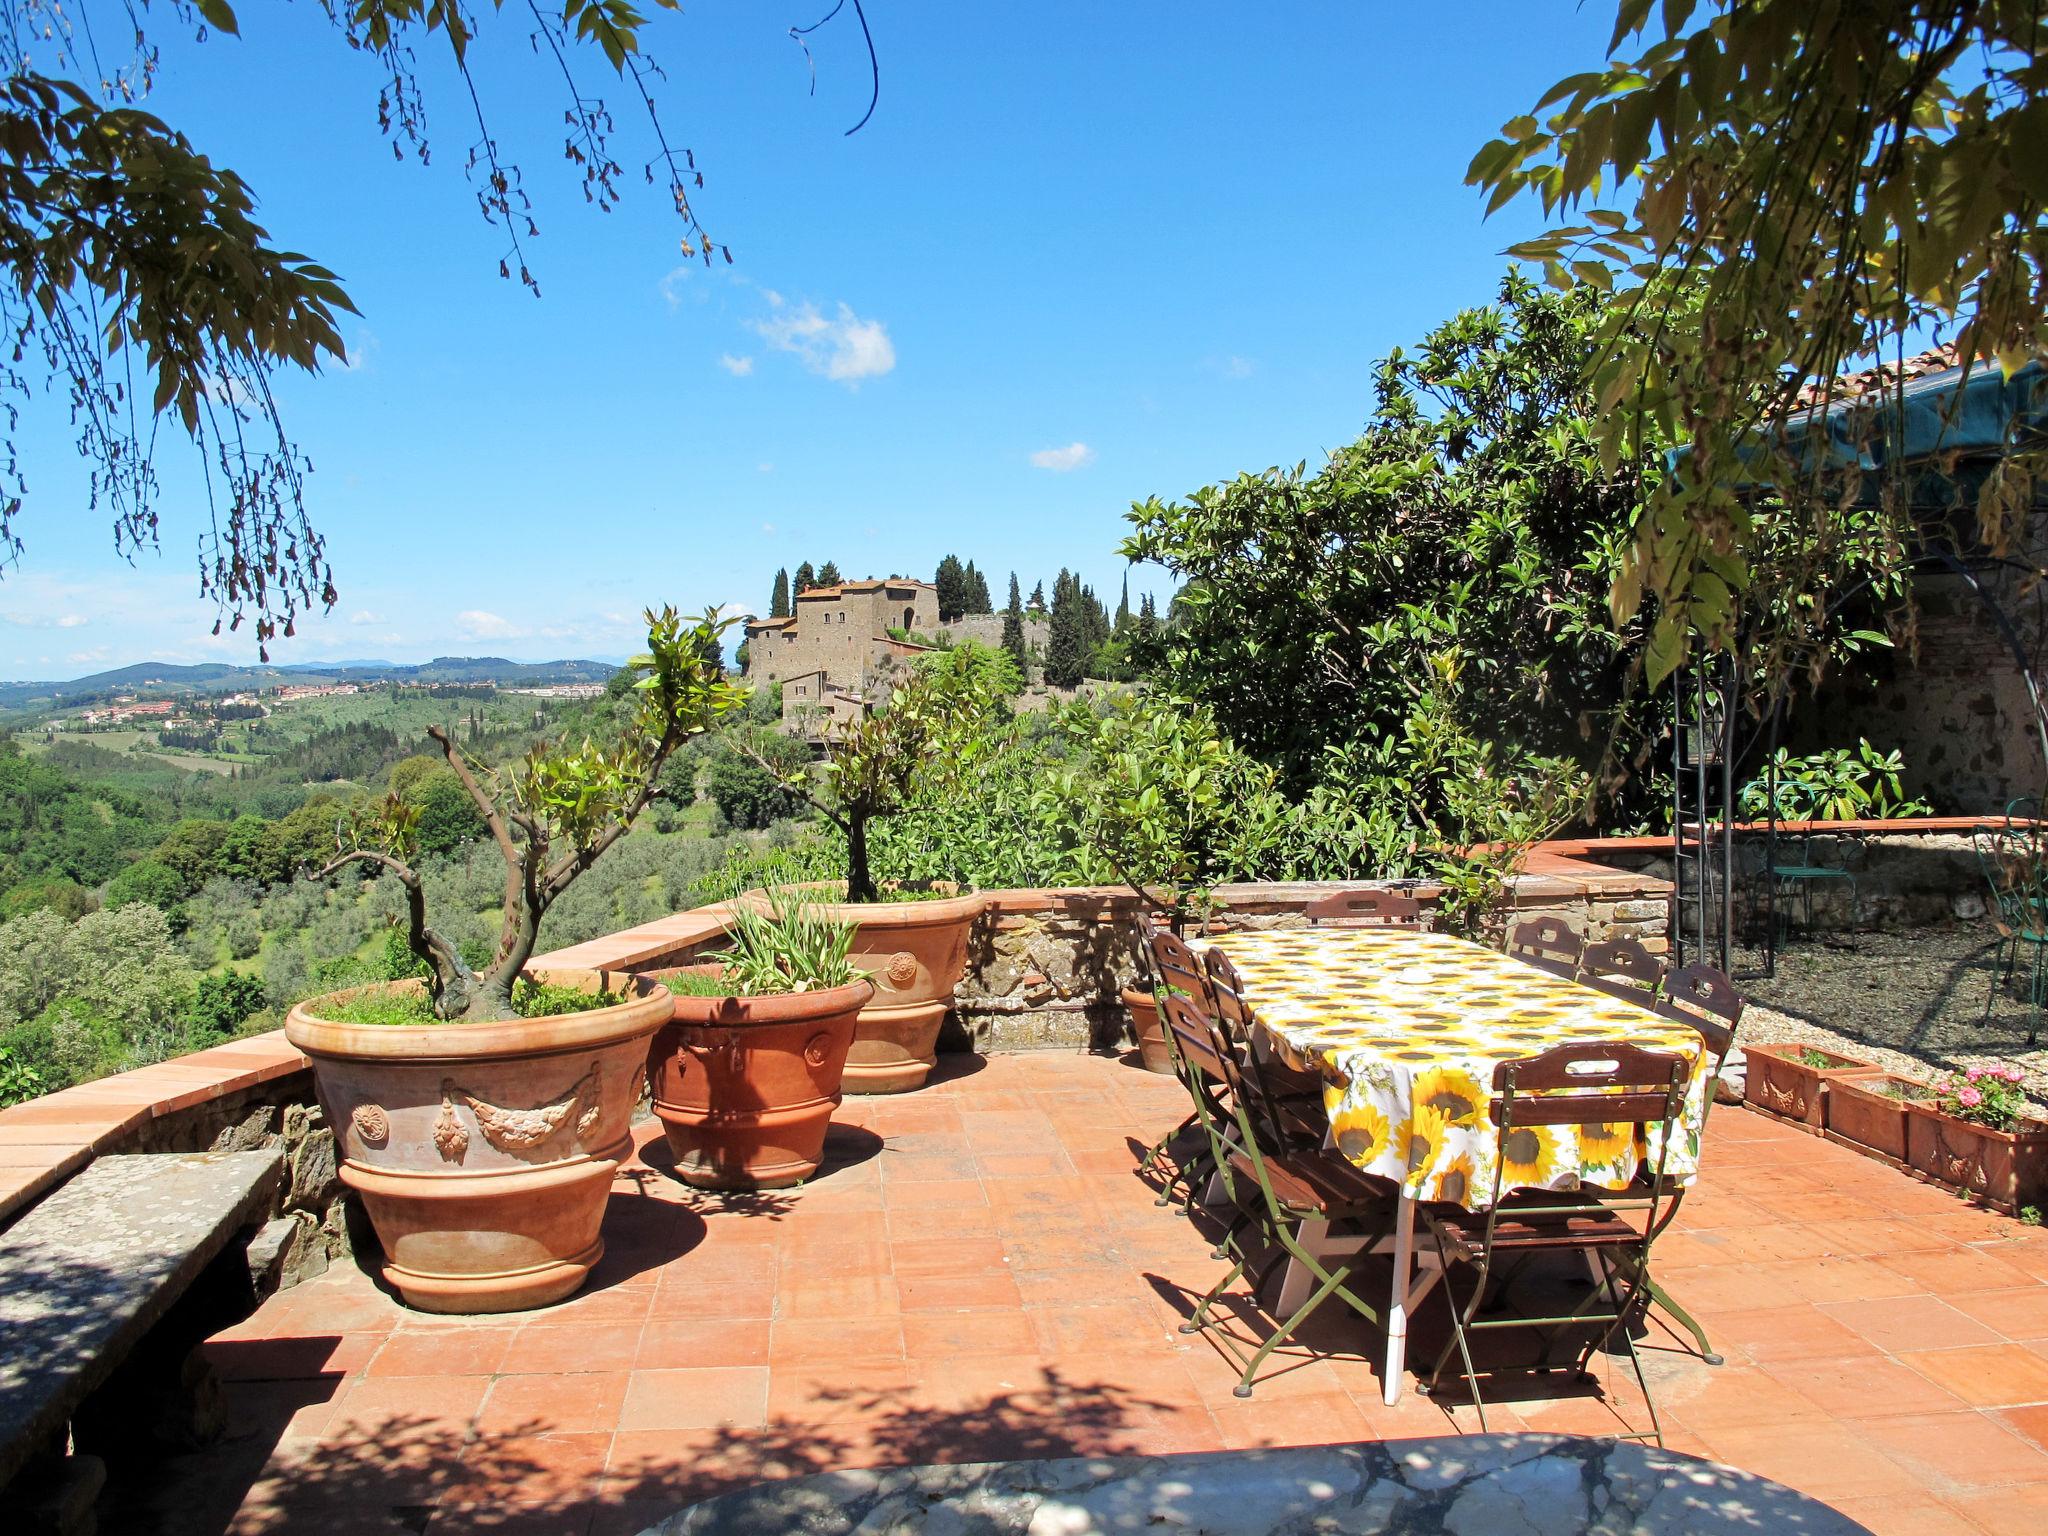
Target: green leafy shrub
784 944
222 1001
1841 784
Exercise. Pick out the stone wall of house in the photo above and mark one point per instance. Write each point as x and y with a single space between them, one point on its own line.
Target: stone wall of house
1959 710
308 1222
987 629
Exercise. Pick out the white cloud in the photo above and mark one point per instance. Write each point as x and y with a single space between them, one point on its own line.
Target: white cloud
765 467
84 658
45 621
671 285
1235 367
364 616
477 624
738 367
1062 460
844 348
769 529
359 356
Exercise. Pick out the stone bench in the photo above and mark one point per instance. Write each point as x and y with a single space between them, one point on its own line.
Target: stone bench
84 1279
1472 1485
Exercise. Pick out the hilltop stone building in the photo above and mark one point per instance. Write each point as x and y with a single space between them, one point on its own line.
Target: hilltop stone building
827 653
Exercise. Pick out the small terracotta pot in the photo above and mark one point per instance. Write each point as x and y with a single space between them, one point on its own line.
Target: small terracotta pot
914 952
745 1086
1859 1110
2006 1169
1779 1081
1150 1028
484 1153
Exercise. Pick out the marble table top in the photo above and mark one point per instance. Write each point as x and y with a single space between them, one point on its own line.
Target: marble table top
1475 1485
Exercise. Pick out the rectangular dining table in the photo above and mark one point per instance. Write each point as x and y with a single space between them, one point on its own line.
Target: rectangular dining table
1405 1028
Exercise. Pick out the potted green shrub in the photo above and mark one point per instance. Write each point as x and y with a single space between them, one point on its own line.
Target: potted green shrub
912 942
746 1074
480 1113
1977 1132
1791 1081
1162 799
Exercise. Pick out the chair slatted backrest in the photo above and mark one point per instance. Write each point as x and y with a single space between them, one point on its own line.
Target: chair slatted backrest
1176 965
1547 943
1364 909
1226 988
1264 1081
1703 997
1622 968
1590 1083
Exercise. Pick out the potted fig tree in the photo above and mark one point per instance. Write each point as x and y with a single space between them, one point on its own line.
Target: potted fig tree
480 1112
910 940
747 1073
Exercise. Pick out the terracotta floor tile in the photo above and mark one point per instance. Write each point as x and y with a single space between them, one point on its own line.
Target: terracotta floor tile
1738 1395
2015 1511
1959 1272
1309 1419
543 1405
696 1399
457 1352
1950 1453
852 1340
1908 1515
824 1393
955 1293
948 1256
672 1343
561 1470
1989 1376
2032 1422
931 1336
1901 1323
2017 1314
1827 1460
1870 1387
426 1406
1801 1332
554 1349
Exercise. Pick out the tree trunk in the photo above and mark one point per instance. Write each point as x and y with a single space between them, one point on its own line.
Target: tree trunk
860 882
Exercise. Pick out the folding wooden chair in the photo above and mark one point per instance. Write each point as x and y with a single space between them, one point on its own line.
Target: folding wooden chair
1284 1188
1294 1096
1364 909
1622 968
1583 1084
1176 967
1547 943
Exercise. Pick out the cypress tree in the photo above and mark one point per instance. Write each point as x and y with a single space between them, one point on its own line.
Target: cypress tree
806 578
1038 598
978 599
1013 633
828 574
1123 606
951 580
778 602
1067 648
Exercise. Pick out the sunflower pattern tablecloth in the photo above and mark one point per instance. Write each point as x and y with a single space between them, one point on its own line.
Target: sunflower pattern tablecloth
1406 1029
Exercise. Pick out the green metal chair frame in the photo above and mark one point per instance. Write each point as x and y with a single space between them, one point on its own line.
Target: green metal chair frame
1805 875
1578 1084
2015 866
1284 1189
1548 943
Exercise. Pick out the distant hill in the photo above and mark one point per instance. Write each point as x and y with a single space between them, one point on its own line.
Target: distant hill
155 679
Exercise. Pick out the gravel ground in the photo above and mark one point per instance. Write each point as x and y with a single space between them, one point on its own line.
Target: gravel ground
1912 1001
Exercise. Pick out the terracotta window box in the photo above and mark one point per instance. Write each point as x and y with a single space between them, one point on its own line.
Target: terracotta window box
1782 1080
2005 1169
1870 1112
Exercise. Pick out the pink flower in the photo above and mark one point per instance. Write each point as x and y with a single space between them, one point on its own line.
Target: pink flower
2013 1075
1969 1098
1975 1074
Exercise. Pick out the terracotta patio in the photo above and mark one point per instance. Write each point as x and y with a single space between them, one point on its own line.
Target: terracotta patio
979 1274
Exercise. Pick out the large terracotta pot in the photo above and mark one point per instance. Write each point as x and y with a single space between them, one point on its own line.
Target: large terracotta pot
1153 1051
484 1153
914 951
1870 1112
1781 1080
745 1086
2006 1169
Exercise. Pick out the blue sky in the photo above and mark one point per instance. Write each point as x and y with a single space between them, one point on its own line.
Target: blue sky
1081 255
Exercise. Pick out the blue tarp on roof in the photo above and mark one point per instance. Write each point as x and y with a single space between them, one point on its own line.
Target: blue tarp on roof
1937 437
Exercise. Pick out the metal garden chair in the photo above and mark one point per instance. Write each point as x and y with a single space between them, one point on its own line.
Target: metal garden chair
1581 1084
1284 1186
1547 943
1622 968
2015 866
1364 909
1803 873
1176 966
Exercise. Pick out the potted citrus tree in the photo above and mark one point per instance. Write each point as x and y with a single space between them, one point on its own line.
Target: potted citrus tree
911 941
746 1074
1163 799
480 1112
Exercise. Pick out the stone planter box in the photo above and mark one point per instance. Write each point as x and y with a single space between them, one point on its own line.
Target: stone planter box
1783 1083
2005 1169
1869 1113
